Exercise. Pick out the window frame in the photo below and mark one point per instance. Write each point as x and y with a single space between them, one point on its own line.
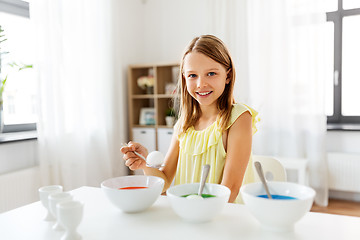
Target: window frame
337 120
19 8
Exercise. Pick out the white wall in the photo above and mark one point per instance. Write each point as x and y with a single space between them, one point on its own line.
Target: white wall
17 155
156 30
170 25
343 141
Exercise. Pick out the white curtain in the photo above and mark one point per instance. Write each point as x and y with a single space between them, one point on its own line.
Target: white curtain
228 20
287 82
278 49
81 121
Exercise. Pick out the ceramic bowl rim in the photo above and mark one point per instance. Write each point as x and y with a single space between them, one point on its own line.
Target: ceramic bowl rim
311 192
159 182
226 190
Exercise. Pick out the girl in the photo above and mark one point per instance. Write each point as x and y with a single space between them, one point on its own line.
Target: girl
212 128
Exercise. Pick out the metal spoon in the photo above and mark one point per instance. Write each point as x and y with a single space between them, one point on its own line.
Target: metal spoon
262 178
204 175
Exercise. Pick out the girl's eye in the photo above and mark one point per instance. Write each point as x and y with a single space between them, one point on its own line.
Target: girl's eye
211 74
192 75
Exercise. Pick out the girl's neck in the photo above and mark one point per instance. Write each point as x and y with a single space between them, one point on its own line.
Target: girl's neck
208 117
209 112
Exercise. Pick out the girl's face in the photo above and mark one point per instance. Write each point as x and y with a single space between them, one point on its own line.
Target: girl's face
205 78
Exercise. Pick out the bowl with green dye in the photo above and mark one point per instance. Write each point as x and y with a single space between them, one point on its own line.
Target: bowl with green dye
195 209
291 201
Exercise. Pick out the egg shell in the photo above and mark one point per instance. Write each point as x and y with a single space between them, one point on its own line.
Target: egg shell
194 196
155 158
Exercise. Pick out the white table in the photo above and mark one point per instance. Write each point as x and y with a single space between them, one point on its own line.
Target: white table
103 221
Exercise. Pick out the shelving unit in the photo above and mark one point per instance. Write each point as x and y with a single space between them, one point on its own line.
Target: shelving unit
159 100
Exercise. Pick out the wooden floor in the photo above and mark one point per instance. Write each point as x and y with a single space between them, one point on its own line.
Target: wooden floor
340 207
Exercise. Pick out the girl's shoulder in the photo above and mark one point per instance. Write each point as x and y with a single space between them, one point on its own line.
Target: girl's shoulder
238 109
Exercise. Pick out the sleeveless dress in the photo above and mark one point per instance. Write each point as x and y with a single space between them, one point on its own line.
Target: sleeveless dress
197 148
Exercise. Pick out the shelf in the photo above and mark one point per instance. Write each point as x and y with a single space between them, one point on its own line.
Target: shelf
164 126
165 78
151 96
165 95
143 126
143 96
152 126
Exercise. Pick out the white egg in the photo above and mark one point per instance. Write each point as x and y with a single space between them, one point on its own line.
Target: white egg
194 196
155 158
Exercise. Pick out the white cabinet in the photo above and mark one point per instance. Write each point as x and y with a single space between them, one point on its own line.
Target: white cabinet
164 139
146 137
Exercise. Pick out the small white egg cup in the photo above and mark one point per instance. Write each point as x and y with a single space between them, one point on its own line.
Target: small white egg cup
54 199
70 214
44 193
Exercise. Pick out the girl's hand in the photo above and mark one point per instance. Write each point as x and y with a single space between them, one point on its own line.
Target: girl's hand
133 161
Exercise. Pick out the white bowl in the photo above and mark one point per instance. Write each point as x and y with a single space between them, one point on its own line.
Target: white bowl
276 214
133 200
198 210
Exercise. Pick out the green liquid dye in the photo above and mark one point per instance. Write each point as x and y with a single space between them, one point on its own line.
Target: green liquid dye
204 195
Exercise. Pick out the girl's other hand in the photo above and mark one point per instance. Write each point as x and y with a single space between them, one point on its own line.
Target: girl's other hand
133 161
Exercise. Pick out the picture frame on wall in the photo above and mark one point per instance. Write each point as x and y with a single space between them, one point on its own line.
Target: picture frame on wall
147 116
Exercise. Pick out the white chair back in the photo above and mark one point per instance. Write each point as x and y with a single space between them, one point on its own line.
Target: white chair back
272 168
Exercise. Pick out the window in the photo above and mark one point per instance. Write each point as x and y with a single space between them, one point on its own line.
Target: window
20 94
344 24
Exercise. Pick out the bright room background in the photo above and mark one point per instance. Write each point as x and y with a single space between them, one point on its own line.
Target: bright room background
283 51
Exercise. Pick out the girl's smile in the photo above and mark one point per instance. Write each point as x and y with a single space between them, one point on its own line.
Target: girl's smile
204 94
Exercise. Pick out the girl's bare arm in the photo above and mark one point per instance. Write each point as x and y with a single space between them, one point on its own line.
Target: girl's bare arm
238 153
168 171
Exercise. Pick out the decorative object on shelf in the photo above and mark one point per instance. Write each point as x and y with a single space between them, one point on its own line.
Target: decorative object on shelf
146 83
170 117
147 116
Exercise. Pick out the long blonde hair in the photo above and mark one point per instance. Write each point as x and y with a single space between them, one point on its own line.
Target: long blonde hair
188 108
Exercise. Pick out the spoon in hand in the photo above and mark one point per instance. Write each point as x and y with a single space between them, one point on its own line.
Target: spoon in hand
262 178
155 159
